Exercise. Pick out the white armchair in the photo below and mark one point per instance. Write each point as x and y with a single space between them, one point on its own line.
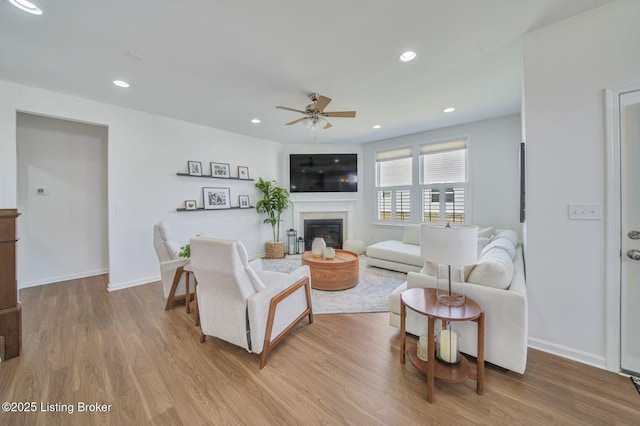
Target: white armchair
241 303
173 280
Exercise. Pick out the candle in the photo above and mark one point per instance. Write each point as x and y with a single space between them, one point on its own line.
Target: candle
423 348
448 346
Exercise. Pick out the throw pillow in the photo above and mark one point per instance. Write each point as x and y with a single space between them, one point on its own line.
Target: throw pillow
486 232
510 235
500 243
411 234
494 269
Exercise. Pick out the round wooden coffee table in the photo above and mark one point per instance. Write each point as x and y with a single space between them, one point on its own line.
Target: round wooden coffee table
340 273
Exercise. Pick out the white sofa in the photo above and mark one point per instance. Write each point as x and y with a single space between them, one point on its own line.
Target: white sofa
403 256
497 283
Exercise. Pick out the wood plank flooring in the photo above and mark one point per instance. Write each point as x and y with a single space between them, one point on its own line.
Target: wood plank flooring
82 344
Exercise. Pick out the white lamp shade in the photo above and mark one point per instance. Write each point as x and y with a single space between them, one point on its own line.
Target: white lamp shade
449 245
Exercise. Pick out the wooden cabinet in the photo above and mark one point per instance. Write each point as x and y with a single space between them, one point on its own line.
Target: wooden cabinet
10 310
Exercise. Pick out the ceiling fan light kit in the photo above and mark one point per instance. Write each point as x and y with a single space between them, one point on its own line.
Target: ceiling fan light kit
315 115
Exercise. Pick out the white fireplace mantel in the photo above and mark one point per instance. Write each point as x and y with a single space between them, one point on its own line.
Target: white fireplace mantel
324 209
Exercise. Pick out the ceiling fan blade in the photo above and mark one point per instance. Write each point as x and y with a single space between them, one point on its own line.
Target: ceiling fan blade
322 103
343 114
327 125
295 121
291 109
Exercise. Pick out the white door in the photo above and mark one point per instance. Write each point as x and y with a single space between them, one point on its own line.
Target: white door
630 231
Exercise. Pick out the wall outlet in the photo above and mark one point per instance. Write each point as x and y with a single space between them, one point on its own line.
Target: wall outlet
585 211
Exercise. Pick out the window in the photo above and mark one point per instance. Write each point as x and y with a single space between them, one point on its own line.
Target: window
443 181
438 196
394 178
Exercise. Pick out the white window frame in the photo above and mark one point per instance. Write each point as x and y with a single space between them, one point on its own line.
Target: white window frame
441 147
417 188
390 155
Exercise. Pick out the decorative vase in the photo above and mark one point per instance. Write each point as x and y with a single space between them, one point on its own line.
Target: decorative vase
329 253
318 246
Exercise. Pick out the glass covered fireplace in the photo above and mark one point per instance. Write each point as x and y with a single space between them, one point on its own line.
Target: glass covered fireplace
329 229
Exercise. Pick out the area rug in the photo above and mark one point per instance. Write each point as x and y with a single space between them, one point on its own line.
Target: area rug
636 382
371 294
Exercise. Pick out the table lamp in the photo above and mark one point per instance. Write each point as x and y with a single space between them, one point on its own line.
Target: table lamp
451 248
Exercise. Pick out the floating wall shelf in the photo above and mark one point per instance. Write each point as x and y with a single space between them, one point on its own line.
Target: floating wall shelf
215 177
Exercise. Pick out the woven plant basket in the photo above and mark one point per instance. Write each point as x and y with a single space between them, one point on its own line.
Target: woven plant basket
275 250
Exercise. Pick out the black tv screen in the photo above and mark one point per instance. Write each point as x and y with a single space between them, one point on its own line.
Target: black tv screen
323 172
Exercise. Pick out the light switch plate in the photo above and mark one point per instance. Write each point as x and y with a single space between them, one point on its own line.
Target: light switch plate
41 191
585 211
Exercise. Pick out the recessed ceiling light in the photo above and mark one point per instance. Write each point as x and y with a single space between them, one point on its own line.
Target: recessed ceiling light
450 109
120 83
27 6
408 56
377 126
255 121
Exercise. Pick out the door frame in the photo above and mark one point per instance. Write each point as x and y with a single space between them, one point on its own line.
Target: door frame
612 226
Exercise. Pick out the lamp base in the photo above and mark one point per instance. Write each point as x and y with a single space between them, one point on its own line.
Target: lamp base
450 285
450 299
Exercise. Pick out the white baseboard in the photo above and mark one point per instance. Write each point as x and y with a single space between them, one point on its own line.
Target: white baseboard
569 353
51 280
134 283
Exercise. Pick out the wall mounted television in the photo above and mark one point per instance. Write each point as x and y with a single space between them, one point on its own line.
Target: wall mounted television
323 172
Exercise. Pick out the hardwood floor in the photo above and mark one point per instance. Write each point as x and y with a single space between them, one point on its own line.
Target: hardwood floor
146 365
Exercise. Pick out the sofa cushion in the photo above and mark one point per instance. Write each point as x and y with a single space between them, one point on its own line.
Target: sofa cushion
494 269
500 243
509 234
487 232
411 234
396 251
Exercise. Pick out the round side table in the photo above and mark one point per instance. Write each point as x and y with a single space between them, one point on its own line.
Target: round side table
425 302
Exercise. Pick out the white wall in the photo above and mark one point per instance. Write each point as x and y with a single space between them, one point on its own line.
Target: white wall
493 155
63 233
566 67
145 153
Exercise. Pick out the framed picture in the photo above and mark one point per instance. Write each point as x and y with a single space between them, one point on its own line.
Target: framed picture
216 198
195 168
190 205
243 172
220 170
243 201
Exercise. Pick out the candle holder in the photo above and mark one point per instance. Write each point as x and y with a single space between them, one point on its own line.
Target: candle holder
447 344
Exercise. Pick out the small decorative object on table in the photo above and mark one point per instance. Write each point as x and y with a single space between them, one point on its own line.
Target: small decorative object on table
329 253
318 246
195 168
447 347
220 170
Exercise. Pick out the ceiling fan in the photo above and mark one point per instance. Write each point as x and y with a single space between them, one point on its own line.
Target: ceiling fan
315 114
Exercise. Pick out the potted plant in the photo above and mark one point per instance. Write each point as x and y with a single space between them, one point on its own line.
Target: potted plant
274 201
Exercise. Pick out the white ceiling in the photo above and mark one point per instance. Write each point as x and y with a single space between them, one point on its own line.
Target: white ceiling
222 63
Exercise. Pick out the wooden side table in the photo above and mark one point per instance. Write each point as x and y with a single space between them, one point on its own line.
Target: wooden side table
188 271
425 302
